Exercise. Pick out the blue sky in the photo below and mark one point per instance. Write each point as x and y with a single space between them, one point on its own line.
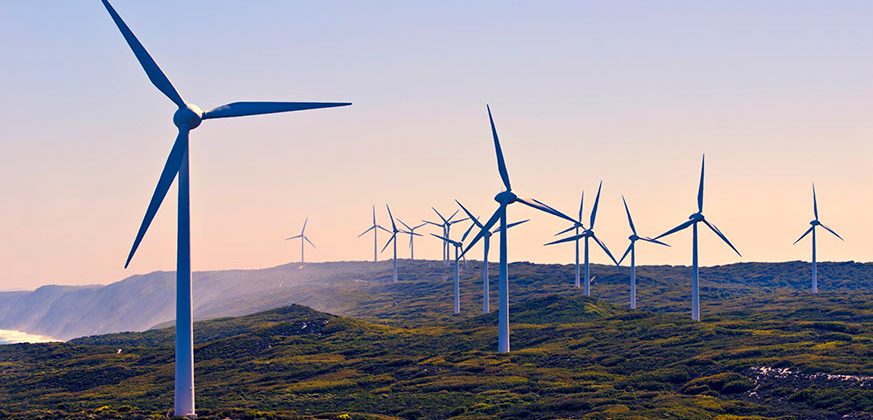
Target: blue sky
777 94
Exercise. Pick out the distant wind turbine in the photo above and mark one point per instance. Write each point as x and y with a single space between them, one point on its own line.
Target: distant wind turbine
504 199
586 235
446 226
457 245
303 238
186 118
577 225
632 250
486 247
411 232
393 239
815 223
692 221
375 228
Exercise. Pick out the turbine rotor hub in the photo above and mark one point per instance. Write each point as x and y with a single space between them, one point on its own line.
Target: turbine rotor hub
633 238
189 117
506 197
697 217
815 223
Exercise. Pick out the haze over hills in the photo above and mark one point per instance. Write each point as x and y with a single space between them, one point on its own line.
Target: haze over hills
363 290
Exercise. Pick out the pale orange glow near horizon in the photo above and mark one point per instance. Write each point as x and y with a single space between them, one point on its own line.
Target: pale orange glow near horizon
776 101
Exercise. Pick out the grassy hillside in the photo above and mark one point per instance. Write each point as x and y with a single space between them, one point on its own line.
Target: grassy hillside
764 349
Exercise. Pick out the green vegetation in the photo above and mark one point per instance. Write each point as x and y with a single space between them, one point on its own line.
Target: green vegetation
764 350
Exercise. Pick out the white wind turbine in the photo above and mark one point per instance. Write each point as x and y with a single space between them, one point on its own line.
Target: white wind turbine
504 199
446 226
693 221
375 228
411 232
186 118
457 245
303 239
632 250
815 223
393 239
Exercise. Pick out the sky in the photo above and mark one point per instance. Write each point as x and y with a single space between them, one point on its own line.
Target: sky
777 94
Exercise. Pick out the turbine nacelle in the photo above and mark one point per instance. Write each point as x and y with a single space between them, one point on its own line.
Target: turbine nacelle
633 238
696 217
506 198
189 117
815 223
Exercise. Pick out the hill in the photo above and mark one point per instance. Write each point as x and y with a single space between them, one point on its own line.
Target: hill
362 290
789 355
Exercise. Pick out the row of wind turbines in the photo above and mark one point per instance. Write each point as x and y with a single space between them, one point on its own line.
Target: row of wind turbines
188 116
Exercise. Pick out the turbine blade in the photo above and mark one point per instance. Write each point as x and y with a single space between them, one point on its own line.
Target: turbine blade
440 215
513 224
654 241
310 242
808 231
604 248
546 209
581 206
486 228
386 230
368 229
567 239
501 163
630 220
575 225
157 77
421 225
470 215
304 226
374 215
700 189
626 252
684 225
390 216
449 220
241 109
814 203
393 235
405 225
832 231
447 240
467 232
722 236
298 236
596 203
428 222
168 174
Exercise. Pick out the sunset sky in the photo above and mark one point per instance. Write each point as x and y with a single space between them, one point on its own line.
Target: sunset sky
778 94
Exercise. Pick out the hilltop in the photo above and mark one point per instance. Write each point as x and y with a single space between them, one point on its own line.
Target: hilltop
363 290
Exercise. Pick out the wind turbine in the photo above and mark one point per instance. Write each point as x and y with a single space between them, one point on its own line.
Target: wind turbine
446 226
815 223
504 199
375 228
186 118
692 221
303 238
632 250
393 239
411 232
577 225
586 235
457 246
486 247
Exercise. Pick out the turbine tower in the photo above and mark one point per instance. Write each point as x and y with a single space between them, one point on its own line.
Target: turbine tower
375 228
457 245
303 239
693 221
815 223
577 225
486 240
411 232
632 250
186 118
504 199
586 235
393 239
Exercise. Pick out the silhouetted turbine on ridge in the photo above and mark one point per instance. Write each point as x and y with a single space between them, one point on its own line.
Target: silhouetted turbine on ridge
577 225
632 250
588 234
505 198
815 223
446 226
375 228
457 245
393 239
187 117
692 221
486 247
411 232
303 238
